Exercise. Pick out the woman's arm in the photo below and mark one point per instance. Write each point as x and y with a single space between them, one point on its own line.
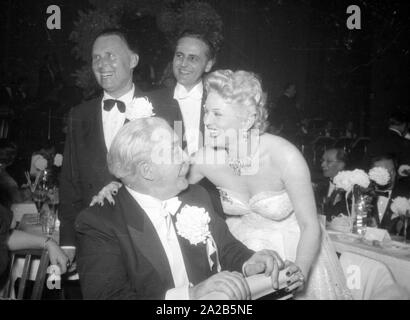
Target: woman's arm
195 171
19 240
296 177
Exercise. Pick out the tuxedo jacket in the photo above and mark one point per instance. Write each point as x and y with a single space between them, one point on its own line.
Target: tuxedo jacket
120 255
85 171
163 99
400 189
334 204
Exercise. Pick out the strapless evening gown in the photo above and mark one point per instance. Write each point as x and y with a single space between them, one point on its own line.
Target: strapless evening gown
267 221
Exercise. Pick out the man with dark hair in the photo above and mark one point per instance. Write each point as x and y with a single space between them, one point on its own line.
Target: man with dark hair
93 125
195 55
381 214
330 199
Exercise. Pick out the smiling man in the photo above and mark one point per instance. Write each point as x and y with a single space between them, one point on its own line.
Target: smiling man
93 125
194 56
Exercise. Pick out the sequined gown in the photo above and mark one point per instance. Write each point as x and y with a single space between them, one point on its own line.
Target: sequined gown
267 221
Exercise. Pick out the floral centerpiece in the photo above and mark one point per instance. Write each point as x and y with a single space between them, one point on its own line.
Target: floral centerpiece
361 187
401 208
44 168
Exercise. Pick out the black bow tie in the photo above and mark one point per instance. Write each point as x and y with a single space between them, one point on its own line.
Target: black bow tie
109 104
383 193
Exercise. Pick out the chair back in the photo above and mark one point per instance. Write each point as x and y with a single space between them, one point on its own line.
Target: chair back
29 255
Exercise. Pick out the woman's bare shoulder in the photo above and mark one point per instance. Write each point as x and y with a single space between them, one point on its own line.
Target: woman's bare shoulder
276 145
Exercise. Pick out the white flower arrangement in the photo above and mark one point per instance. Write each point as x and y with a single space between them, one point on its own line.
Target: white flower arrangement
400 207
379 175
58 160
139 108
347 179
192 223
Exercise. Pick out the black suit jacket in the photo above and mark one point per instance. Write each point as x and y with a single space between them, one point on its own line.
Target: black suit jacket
120 255
333 205
400 189
85 171
163 99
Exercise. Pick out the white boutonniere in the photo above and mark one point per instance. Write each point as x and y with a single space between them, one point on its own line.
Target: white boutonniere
139 108
192 223
58 160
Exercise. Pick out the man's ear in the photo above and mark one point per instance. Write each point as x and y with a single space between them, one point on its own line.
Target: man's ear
145 170
134 60
209 65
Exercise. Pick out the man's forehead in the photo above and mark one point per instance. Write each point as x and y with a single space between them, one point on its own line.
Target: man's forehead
109 42
190 45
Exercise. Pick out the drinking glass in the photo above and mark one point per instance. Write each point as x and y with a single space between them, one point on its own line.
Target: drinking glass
48 217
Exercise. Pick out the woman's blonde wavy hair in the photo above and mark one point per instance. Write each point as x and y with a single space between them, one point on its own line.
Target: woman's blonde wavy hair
244 90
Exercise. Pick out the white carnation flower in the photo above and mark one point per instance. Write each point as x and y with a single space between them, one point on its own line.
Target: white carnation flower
192 224
360 178
58 160
139 108
379 175
343 180
400 206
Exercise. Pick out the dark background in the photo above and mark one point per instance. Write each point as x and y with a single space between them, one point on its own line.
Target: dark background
341 75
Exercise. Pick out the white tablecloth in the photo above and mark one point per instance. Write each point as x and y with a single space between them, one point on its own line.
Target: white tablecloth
394 255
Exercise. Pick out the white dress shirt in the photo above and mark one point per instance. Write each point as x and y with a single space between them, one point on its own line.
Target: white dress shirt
166 232
382 203
113 120
332 187
190 105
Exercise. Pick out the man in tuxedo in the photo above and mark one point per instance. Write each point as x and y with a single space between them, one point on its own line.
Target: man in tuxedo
93 125
141 247
330 199
381 214
194 55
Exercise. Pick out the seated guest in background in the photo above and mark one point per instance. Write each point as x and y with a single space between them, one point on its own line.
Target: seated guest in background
331 200
381 213
131 249
18 240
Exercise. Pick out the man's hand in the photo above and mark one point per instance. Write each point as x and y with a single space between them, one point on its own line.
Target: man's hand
267 261
232 284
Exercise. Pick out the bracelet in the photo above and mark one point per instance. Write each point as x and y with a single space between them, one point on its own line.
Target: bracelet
47 240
